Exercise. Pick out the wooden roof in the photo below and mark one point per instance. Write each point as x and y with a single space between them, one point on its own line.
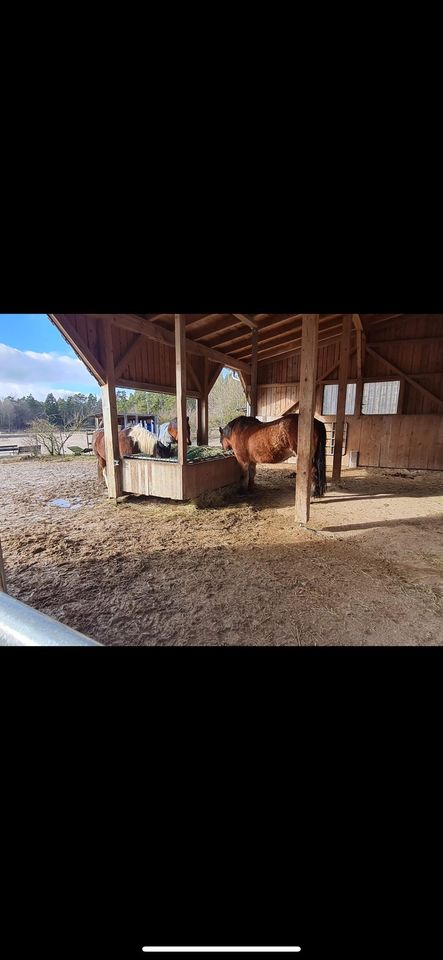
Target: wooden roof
277 332
143 345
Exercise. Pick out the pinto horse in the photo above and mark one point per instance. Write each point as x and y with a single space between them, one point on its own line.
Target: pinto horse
254 442
138 440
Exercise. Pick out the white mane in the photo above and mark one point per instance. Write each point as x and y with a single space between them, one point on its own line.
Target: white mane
146 440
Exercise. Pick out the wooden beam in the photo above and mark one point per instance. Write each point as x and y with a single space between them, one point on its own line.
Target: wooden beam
254 373
214 377
180 377
127 356
276 339
386 318
325 376
428 341
343 374
246 384
401 395
191 318
2 572
308 376
288 349
71 335
401 373
153 387
361 350
110 421
193 375
237 337
215 328
202 408
249 323
153 332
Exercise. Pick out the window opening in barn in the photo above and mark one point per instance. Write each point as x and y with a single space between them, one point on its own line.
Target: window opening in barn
330 397
381 397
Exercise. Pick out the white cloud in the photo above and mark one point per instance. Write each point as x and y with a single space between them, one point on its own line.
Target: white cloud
26 371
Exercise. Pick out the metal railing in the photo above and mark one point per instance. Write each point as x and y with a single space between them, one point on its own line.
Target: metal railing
22 626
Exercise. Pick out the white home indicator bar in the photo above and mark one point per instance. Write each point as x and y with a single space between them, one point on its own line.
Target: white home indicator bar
221 949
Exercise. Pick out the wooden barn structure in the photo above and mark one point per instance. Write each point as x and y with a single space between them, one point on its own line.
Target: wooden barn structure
375 379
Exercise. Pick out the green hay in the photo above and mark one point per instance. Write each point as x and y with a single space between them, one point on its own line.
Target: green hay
194 454
206 453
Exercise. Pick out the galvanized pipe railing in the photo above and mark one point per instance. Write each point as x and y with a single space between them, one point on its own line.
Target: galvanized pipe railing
22 626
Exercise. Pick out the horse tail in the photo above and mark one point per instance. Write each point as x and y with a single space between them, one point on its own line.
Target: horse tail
320 460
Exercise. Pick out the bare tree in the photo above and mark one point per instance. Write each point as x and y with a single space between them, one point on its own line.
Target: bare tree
54 437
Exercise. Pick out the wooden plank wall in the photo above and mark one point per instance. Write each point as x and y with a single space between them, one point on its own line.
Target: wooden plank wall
413 438
152 362
414 442
153 478
209 475
413 343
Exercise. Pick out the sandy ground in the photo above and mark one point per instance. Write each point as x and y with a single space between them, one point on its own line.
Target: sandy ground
228 570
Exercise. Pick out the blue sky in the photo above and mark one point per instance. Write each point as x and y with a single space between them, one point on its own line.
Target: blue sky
34 358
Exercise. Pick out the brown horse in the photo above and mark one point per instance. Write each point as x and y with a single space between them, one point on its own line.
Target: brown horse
254 442
138 440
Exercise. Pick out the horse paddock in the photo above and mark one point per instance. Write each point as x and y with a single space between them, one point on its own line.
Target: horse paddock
225 569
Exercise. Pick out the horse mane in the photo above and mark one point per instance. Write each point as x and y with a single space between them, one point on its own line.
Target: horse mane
145 440
240 423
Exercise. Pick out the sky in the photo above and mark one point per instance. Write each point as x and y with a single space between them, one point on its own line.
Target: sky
35 358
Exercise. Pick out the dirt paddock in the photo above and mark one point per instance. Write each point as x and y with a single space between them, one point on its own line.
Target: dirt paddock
228 570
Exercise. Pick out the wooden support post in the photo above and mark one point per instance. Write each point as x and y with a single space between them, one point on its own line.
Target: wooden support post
202 407
308 377
110 421
246 384
254 373
2 572
401 395
180 382
345 349
361 356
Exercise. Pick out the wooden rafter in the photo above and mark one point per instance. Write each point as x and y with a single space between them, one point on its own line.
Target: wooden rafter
235 344
244 319
153 332
153 387
385 318
292 347
277 340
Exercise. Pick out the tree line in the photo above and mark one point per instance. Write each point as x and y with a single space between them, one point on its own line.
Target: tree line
17 414
226 401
